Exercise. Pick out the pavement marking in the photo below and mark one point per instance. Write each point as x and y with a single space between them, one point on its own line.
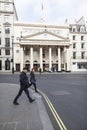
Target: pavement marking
55 114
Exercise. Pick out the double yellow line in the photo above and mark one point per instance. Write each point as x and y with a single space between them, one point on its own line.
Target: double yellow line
55 114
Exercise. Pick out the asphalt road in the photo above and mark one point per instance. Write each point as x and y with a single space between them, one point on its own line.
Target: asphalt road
68 94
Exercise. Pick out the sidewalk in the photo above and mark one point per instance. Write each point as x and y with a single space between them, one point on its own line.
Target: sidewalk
26 116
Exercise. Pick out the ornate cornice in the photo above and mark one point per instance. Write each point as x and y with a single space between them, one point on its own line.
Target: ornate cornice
40 25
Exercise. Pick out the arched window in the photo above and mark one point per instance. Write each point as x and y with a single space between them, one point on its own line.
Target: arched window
82 29
74 29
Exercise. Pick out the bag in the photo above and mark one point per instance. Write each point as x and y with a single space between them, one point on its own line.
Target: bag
33 81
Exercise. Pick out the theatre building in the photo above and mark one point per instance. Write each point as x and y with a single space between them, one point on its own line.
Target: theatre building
42 46
51 47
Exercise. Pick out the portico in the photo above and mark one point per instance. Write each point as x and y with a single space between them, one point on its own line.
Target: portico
46 57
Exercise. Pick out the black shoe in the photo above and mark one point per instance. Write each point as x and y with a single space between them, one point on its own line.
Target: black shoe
16 103
32 100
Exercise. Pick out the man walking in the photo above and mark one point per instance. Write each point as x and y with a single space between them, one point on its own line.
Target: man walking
33 80
24 85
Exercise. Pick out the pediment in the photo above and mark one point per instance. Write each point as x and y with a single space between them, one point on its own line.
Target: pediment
45 35
6 24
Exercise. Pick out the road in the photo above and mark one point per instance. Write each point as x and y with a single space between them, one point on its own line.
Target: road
68 94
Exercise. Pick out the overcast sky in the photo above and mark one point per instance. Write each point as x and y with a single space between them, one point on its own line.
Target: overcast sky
52 11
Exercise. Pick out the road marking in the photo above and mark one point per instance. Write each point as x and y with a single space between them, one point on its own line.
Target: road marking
55 114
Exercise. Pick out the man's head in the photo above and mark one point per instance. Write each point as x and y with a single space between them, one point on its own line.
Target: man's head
25 69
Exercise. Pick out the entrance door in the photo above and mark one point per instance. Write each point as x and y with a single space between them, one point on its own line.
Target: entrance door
36 67
17 67
28 66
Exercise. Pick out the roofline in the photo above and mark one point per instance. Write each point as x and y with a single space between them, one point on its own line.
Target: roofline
15 10
44 25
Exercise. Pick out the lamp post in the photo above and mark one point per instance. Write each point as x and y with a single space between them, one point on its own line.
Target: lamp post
12 54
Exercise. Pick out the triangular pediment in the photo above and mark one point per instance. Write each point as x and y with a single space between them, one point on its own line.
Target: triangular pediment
45 35
7 24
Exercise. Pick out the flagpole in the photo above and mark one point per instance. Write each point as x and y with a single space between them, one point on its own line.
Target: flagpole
42 12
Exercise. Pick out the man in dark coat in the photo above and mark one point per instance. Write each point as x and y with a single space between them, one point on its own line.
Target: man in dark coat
24 85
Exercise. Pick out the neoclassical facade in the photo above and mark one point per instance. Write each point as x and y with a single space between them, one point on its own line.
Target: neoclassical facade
40 45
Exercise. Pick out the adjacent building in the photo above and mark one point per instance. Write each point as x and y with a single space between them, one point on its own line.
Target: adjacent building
40 45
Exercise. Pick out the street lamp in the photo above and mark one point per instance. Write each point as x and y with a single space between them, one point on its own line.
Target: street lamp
12 54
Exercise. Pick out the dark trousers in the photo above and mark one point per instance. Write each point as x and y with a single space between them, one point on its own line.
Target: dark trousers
20 93
34 84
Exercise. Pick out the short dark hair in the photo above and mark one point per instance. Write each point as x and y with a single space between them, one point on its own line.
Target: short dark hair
25 68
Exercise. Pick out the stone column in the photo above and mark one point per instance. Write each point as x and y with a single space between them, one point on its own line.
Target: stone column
41 59
59 59
50 58
21 57
31 58
64 56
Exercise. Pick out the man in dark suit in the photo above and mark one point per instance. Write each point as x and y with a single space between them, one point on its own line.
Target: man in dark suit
24 85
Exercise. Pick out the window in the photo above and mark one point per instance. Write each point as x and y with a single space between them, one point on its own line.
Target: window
82 45
74 29
82 55
74 45
0 31
6 6
74 37
82 38
0 51
7 52
0 6
0 18
0 65
74 55
82 29
7 18
70 29
7 30
74 63
82 65
7 42
0 40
